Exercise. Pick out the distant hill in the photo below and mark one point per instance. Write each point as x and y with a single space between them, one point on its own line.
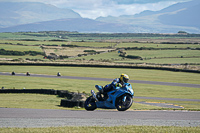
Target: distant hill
74 24
15 13
188 16
181 16
170 9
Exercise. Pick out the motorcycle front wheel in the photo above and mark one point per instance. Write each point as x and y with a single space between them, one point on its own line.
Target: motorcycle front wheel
90 104
123 102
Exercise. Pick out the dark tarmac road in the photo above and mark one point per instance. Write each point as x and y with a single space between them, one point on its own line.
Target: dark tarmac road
14 117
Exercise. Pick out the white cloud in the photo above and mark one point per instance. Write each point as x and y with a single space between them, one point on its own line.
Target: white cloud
117 10
95 8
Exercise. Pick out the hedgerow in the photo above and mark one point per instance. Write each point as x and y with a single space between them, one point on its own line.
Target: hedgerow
19 53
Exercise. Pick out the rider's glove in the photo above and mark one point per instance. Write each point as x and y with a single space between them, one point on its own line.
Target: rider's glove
118 85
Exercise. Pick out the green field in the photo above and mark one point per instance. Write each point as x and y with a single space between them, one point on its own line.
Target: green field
22 58
164 53
156 45
21 36
33 43
170 61
154 56
93 44
153 52
111 56
20 48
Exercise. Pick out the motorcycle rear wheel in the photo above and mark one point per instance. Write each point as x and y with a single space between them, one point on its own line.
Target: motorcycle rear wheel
90 104
123 106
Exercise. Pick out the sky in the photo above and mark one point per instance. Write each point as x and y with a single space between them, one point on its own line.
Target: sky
103 8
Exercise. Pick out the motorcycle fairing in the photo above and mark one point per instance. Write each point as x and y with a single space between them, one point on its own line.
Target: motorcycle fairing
112 96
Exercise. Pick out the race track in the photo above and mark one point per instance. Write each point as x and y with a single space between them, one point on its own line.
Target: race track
13 117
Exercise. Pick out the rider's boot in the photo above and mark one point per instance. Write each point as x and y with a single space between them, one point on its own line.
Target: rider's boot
94 95
99 88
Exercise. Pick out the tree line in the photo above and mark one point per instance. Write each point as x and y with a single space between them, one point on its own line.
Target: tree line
77 34
20 53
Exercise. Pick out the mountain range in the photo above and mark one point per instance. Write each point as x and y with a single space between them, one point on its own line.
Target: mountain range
16 13
34 16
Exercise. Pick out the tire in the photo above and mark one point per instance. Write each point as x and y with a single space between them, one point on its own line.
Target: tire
90 104
120 106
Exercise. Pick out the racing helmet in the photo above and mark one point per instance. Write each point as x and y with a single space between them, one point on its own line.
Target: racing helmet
124 78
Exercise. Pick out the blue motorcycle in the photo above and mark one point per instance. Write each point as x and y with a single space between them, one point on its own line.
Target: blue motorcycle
121 98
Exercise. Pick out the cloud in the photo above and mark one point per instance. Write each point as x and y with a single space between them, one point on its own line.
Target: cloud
96 8
114 9
143 1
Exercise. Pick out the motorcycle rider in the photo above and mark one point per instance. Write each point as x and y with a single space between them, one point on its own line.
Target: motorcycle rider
118 82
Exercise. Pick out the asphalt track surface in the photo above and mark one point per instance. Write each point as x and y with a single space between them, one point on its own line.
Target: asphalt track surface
15 117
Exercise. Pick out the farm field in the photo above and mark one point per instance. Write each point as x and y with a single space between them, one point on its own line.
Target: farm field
20 48
21 36
170 61
58 43
72 52
32 43
174 51
149 56
164 53
156 45
7 58
107 55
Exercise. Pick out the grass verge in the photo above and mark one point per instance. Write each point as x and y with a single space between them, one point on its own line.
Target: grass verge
96 129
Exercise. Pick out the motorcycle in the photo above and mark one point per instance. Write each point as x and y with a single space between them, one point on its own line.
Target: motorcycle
13 73
58 74
28 74
121 98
